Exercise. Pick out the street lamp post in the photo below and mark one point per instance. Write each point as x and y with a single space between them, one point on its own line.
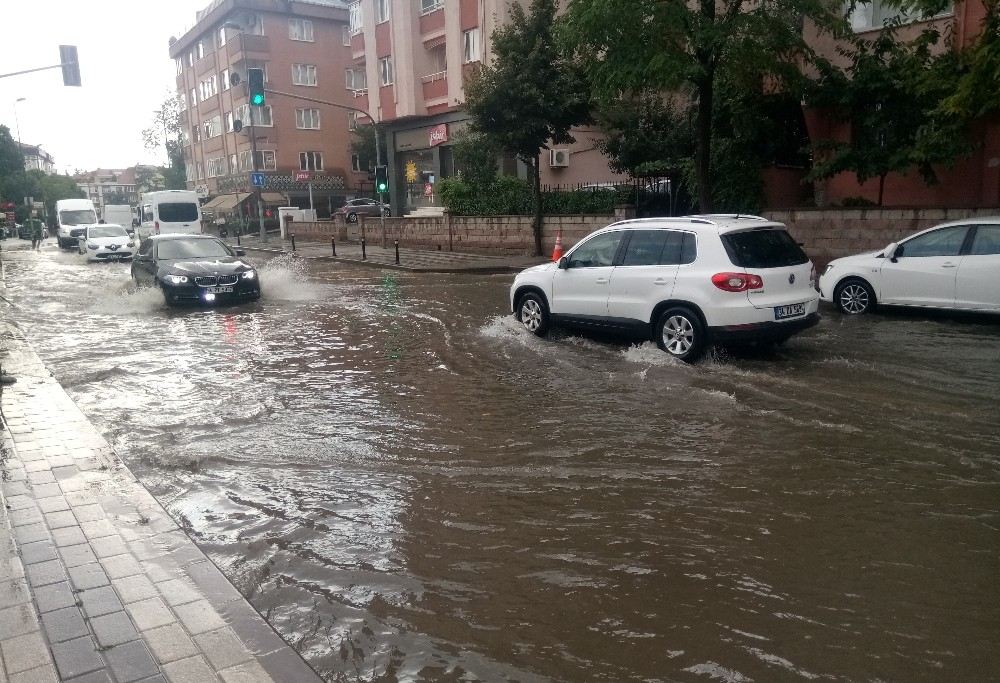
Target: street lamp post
17 122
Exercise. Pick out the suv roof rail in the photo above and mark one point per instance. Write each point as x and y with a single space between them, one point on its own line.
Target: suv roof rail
729 215
659 219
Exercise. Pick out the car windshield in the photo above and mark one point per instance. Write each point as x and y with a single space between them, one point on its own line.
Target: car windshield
769 248
78 217
175 212
192 249
108 231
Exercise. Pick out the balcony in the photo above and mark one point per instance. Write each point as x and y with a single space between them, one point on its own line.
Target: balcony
432 25
435 87
254 47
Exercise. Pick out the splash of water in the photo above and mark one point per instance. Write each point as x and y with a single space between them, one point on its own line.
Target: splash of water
286 278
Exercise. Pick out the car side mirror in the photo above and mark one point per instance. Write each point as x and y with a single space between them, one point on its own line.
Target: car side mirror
893 252
241 252
563 263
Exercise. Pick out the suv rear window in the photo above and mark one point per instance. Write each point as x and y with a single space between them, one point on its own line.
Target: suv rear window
770 248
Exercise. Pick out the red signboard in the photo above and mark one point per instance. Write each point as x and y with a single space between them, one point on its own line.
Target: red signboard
10 216
439 134
303 176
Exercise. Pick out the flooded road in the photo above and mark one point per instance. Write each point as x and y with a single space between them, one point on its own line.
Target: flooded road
410 487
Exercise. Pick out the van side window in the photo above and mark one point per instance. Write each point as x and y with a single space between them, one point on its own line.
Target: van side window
147 213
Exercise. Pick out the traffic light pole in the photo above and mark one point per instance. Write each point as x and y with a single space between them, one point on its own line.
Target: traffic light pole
378 146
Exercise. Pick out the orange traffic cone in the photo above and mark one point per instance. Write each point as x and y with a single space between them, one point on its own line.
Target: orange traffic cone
558 251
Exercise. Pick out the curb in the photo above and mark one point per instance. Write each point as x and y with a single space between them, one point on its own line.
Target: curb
487 270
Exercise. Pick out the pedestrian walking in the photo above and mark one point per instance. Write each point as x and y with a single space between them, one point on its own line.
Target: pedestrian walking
35 227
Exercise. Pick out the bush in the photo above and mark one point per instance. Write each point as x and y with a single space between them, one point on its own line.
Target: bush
510 196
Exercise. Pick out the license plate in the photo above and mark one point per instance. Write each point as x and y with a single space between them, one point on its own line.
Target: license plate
219 290
789 311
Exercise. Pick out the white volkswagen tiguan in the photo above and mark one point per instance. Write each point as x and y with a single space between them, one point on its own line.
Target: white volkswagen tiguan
684 282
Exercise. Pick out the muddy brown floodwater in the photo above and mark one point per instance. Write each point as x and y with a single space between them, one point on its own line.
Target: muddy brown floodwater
410 487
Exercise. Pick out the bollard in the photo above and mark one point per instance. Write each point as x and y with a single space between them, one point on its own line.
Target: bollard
364 255
237 239
397 252
293 241
333 245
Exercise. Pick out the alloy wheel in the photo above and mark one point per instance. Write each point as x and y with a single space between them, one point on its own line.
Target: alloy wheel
678 335
531 315
854 298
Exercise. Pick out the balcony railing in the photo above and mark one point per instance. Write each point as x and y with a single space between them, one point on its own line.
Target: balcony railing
430 78
428 6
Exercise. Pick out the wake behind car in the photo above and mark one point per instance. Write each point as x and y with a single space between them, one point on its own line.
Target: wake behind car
684 282
951 266
195 269
106 242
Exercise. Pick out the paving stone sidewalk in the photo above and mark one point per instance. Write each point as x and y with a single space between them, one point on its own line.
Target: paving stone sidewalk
97 583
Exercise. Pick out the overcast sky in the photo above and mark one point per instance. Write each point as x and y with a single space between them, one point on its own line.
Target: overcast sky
125 68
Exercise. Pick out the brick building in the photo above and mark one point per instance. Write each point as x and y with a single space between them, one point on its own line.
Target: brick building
409 60
109 186
973 181
302 47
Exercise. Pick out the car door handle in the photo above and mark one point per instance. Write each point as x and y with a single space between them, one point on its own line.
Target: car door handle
659 281
949 265
602 280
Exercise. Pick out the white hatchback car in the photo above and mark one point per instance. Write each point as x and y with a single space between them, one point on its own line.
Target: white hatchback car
953 265
107 242
683 282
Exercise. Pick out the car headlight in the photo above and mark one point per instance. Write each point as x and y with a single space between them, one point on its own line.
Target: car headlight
176 279
249 275
91 245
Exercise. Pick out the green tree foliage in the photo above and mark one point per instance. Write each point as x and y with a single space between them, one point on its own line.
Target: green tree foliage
476 158
685 49
977 87
11 159
363 144
530 94
891 95
166 131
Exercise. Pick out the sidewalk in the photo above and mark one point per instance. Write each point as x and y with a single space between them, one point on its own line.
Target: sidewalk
413 260
97 582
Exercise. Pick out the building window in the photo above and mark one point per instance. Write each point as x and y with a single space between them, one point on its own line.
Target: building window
213 127
355 163
216 167
265 161
310 161
428 6
261 116
194 98
200 170
233 167
307 119
200 49
346 36
300 29
180 66
255 25
182 102
304 74
354 18
357 79
224 77
470 46
229 122
196 133
189 172
352 120
209 87
381 11
191 58
220 39
876 13
385 70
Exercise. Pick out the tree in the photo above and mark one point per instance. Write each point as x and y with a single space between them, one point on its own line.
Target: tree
166 130
363 145
530 95
476 159
891 95
150 179
682 49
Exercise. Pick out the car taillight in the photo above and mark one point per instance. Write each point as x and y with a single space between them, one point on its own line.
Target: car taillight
156 227
737 282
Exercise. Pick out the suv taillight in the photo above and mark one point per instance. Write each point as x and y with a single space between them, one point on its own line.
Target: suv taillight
737 282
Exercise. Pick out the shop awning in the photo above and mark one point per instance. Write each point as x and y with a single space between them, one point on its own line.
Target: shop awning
225 202
272 197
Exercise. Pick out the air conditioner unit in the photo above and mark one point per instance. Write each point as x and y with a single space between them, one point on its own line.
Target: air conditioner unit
558 158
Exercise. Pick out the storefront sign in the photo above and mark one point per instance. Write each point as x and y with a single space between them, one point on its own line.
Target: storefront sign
303 176
439 134
411 171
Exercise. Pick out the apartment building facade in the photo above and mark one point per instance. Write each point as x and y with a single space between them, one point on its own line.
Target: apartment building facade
409 62
35 158
109 186
972 181
303 147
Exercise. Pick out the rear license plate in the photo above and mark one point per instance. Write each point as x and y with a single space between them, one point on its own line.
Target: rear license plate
789 311
219 290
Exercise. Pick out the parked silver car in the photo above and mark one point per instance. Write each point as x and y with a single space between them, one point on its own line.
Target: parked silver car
350 211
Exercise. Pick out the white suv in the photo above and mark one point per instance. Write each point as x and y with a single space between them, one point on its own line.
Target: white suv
684 282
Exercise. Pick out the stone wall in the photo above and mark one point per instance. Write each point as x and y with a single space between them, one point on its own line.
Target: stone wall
827 234
500 235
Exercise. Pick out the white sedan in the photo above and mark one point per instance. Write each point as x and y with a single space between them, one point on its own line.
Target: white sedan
953 265
107 242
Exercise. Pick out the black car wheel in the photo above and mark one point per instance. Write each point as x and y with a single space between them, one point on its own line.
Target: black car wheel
680 333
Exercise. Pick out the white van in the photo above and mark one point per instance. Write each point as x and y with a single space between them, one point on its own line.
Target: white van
73 217
118 214
170 212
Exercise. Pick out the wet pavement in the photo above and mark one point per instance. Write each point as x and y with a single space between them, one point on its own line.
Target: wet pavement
408 485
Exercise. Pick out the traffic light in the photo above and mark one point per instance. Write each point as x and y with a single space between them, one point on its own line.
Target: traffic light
255 83
70 65
381 179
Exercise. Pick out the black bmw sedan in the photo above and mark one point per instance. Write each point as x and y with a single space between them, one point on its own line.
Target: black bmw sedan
195 269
